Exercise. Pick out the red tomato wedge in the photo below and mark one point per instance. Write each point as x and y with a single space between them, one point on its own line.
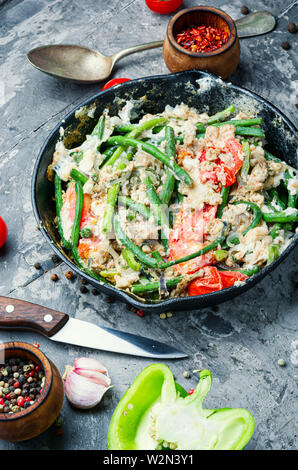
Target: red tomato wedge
70 198
214 280
187 237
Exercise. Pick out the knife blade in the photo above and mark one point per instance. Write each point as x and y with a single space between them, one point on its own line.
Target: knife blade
21 315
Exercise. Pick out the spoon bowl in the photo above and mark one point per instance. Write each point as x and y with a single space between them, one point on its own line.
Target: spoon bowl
71 62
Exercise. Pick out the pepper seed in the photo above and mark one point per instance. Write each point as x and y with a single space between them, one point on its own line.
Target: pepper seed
54 277
286 45
281 362
37 265
244 10
292 28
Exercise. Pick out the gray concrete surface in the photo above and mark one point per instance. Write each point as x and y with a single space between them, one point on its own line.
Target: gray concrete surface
240 340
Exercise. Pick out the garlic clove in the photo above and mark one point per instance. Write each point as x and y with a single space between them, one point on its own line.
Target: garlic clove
89 363
83 392
95 376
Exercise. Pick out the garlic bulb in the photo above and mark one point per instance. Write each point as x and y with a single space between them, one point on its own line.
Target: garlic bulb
86 382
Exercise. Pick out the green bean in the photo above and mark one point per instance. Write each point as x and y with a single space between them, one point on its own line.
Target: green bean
124 128
247 272
273 253
274 195
130 259
59 203
110 207
200 127
246 160
239 130
99 128
179 172
221 115
107 155
292 198
157 256
159 214
78 176
157 129
269 156
135 206
281 217
154 286
135 132
275 229
169 184
125 241
250 272
250 131
240 122
256 212
225 191
201 252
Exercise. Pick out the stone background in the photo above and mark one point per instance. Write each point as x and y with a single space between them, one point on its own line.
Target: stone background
240 340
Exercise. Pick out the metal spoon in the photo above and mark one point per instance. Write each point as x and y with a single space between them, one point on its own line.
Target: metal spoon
83 65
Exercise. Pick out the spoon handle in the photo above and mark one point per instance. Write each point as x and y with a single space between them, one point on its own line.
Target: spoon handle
131 50
254 24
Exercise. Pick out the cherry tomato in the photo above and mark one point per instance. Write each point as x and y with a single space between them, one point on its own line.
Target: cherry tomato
163 6
114 82
3 232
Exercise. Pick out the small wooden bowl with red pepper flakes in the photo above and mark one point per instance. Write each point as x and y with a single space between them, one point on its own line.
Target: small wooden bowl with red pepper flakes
32 420
203 38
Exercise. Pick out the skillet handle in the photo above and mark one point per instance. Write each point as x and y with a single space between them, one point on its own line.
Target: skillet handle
21 315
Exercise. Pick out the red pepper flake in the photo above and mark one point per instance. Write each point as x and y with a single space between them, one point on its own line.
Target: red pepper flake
202 38
191 391
140 313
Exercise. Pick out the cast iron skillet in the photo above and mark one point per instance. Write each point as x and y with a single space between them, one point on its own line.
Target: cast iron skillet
198 89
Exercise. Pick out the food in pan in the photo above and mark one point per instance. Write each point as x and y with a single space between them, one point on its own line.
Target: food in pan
174 204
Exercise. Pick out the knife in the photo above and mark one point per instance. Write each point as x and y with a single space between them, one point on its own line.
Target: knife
20 315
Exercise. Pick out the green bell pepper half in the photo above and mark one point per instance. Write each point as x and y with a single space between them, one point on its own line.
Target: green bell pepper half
156 413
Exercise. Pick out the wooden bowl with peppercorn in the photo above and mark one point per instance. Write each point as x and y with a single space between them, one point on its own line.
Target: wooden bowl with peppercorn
31 391
203 38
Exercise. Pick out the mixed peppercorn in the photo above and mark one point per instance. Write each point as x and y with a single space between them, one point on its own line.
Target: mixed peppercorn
202 39
21 383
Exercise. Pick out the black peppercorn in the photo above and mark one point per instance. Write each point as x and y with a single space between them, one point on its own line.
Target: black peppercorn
292 28
95 292
37 265
244 10
286 45
83 289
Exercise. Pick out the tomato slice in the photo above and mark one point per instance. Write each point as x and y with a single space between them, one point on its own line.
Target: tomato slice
70 197
3 232
114 81
210 282
229 278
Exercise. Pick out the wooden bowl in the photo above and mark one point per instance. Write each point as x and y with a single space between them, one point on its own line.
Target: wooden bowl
222 61
40 415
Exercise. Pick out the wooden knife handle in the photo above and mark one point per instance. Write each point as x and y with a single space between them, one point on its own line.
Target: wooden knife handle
21 315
